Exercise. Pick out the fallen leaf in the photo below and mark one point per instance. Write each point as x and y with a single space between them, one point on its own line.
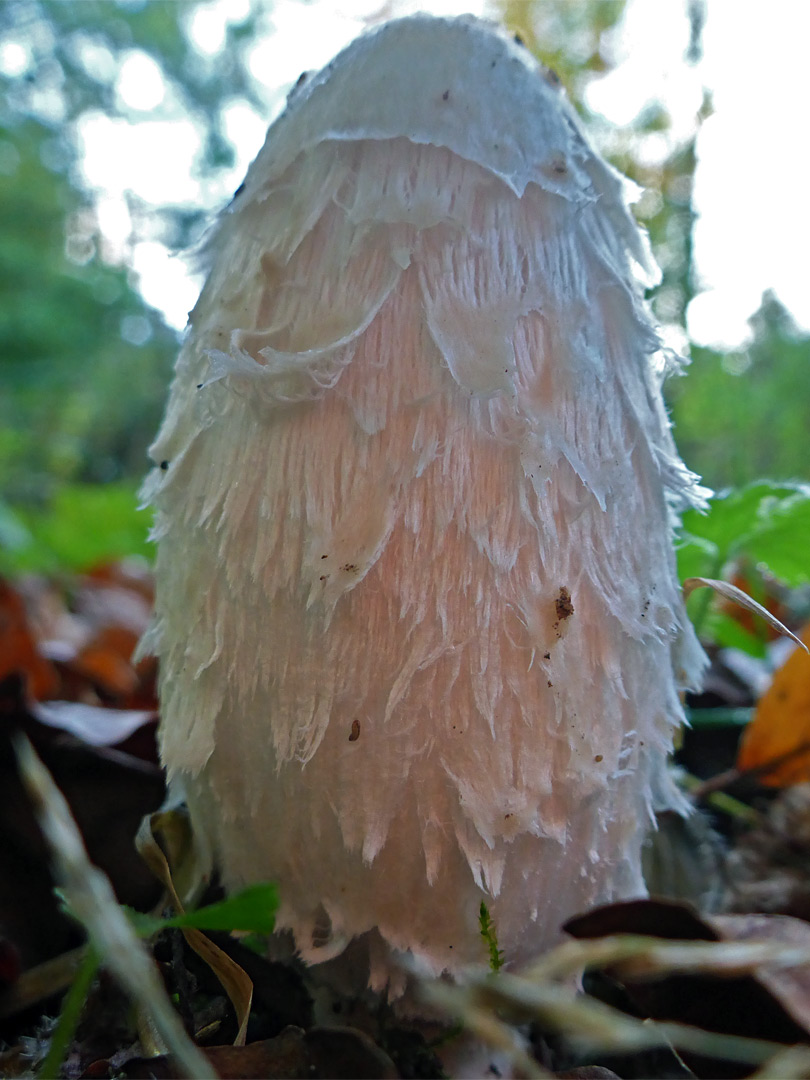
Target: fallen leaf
769 864
109 791
10 964
779 732
772 1002
131 574
588 1072
789 985
322 1052
105 661
18 649
92 724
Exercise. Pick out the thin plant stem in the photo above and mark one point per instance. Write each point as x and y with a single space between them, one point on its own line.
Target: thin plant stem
70 1015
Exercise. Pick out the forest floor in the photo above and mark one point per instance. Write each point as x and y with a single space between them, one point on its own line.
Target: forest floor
710 978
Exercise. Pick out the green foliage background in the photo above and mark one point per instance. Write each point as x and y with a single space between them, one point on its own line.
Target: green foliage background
84 362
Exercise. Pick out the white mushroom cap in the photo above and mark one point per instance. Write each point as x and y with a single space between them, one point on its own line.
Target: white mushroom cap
420 629
460 83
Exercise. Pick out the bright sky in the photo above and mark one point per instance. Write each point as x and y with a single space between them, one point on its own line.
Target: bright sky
753 231
754 227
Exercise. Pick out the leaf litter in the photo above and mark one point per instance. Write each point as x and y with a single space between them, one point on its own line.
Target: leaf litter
670 991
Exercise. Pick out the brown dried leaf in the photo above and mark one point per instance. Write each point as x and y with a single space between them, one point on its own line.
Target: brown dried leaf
234 979
333 1052
754 989
789 985
18 650
108 790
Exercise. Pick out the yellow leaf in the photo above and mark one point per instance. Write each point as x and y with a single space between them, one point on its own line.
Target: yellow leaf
777 741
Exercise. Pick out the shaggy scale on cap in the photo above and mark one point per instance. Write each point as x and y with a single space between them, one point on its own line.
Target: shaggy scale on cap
420 630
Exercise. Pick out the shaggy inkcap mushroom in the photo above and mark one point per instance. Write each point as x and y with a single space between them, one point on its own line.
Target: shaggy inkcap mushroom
419 625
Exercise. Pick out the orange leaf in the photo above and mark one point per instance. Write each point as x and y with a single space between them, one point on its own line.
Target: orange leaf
780 729
18 649
124 575
105 661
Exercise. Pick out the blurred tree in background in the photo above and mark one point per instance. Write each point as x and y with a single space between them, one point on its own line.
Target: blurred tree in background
739 416
84 361
744 415
577 42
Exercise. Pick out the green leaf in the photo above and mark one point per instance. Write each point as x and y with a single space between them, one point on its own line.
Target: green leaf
70 1015
735 518
145 925
781 542
13 534
727 633
83 524
697 557
762 526
251 910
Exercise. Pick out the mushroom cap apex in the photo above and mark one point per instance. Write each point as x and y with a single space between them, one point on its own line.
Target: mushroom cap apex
457 82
